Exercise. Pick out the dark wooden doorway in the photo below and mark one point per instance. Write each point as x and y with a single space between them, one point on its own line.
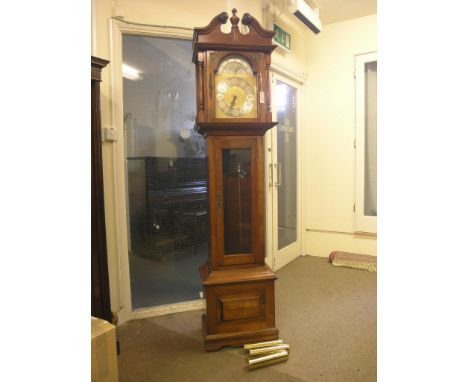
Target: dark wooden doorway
100 295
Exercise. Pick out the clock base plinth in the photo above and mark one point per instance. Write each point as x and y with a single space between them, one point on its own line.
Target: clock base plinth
214 342
240 306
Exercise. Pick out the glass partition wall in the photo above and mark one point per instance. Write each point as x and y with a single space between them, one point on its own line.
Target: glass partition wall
166 172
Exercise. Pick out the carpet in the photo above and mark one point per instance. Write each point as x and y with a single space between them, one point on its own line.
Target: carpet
326 314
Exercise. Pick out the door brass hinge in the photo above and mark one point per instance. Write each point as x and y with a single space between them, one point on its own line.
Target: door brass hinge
354 142
354 207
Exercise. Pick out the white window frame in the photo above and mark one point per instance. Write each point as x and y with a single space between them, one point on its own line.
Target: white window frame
362 222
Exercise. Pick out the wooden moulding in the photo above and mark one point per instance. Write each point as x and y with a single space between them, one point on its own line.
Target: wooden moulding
215 342
97 64
235 275
212 37
230 129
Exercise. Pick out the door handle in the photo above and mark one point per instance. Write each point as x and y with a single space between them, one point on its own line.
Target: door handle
278 174
270 180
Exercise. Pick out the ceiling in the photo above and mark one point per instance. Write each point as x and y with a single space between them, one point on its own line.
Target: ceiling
332 11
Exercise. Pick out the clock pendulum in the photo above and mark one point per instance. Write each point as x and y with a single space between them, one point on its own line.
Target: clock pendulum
233 114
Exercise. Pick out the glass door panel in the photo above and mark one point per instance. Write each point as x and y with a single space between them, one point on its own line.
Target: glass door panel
165 172
370 172
286 163
365 216
237 202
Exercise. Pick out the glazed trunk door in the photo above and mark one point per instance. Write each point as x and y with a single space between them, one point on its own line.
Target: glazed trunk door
283 178
239 210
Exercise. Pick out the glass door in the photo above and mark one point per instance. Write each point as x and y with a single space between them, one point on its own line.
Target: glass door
167 207
284 174
239 231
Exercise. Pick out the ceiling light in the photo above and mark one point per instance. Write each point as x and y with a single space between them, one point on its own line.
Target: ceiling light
131 73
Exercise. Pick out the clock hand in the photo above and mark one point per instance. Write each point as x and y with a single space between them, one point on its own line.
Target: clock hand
233 102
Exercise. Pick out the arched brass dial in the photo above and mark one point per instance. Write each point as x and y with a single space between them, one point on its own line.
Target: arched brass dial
236 93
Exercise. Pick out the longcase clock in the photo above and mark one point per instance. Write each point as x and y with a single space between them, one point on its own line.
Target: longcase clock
233 114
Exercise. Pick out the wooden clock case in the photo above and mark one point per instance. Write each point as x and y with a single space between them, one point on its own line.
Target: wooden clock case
238 285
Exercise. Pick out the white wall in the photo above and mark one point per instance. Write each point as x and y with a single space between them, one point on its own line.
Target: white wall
328 137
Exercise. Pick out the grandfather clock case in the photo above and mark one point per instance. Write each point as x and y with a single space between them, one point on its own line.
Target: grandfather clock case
233 114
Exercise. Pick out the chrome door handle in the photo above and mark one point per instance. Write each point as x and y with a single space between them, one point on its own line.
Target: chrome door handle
278 174
270 180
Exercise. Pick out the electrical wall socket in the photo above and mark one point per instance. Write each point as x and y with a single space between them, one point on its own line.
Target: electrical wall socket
109 134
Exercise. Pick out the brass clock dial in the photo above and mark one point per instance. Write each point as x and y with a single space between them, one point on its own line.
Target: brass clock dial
236 94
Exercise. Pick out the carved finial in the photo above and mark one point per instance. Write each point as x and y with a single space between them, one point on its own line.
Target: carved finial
234 19
222 17
247 19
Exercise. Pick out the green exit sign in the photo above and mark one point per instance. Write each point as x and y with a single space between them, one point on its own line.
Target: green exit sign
282 38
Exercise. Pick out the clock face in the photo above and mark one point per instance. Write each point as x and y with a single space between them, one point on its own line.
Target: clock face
236 93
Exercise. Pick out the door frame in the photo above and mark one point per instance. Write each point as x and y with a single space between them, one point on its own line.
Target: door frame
117 29
275 258
362 223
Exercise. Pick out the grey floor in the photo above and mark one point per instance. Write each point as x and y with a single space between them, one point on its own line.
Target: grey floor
327 314
168 278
